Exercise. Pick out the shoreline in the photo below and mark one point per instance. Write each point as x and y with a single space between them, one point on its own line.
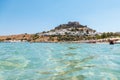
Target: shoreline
54 42
107 40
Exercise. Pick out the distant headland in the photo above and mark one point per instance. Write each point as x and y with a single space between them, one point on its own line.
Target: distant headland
70 32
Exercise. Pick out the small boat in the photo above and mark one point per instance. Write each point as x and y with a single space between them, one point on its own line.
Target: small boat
117 42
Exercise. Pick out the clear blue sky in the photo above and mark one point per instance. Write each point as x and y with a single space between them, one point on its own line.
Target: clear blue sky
32 16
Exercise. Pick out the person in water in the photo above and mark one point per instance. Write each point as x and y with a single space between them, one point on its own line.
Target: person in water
111 42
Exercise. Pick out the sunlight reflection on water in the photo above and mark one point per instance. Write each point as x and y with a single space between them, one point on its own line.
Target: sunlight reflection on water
55 61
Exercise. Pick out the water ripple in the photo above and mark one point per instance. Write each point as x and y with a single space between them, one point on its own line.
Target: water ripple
56 61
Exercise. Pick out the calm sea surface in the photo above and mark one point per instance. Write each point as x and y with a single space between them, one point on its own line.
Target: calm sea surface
59 61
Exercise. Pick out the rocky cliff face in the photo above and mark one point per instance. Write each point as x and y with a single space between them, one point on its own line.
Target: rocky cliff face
71 28
70 25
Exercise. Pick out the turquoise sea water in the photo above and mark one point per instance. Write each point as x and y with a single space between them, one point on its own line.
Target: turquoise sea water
59 61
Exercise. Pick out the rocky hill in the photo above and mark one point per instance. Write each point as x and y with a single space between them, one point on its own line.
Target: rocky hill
72 31
71 28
